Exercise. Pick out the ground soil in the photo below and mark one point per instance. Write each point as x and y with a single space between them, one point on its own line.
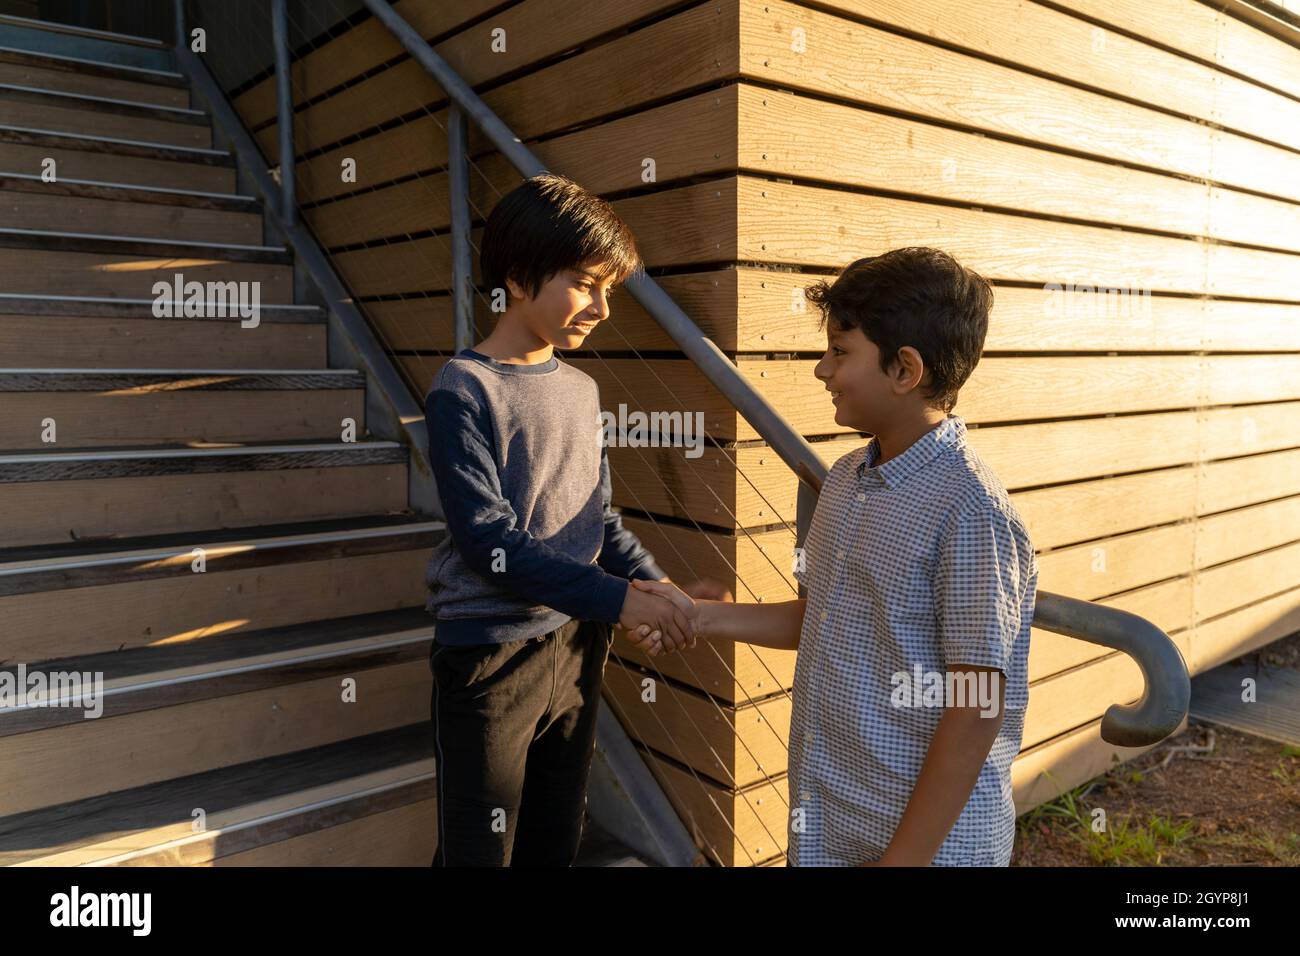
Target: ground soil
1238 804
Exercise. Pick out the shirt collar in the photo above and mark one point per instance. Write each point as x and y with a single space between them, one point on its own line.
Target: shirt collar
949 433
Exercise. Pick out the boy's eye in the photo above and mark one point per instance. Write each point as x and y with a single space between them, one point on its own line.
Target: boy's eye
837 350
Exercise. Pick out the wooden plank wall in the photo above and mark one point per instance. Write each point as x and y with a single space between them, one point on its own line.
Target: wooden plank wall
1150 436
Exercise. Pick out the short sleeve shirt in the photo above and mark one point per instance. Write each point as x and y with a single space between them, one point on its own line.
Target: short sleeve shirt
911 567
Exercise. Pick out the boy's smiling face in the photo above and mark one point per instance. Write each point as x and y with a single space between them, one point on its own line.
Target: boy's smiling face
866 398
568 307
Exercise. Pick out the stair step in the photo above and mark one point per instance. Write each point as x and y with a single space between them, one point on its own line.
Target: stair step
148 678
255 696
105 307
140 245
24 150
55 498
69 74
101 46
29 202
148 591
124 119
94 332
105 407
365 801
44 261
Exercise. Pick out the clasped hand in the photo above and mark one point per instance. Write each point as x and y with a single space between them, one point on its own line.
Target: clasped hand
660 617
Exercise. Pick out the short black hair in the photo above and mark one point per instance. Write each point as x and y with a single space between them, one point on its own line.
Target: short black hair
919 297
547 224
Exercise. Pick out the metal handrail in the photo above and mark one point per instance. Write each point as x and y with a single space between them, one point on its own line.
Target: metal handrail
1166 685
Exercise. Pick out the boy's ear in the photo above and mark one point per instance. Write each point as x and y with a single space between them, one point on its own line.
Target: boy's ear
909 368
515 290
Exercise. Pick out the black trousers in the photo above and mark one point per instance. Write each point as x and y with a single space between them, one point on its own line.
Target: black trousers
514 729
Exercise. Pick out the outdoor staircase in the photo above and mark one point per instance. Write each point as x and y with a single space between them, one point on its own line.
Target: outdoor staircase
272 708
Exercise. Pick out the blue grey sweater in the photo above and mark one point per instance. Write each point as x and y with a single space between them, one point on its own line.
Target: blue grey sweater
524 482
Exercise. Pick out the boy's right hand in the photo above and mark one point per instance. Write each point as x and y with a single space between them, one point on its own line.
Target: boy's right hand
643 608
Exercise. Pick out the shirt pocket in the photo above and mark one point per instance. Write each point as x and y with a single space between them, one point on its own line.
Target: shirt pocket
896 592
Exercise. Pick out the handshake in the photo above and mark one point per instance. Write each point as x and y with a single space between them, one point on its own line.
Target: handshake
660 617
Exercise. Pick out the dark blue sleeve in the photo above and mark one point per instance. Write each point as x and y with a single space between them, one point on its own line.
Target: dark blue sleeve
622 553
480 519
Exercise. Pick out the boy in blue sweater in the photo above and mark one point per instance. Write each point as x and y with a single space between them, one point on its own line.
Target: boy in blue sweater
537 565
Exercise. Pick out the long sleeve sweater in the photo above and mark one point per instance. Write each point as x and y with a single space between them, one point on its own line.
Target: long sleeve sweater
524 482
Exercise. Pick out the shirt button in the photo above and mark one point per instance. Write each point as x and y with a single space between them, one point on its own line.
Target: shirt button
839 555
823 615
862 496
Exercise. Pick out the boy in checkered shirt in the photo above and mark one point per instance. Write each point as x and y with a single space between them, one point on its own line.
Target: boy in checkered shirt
911 680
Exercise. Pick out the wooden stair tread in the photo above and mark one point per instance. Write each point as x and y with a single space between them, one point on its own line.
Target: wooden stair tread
109 144
228 795
99 46
222 665
39 465
20 303
128 192
404 528
185 115
135 74
135 246
27 23
198 379
221 649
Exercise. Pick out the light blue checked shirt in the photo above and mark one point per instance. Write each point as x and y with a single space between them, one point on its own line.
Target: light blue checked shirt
920 562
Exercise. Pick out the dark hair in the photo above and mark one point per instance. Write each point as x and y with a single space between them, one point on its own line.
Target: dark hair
548 224
919 297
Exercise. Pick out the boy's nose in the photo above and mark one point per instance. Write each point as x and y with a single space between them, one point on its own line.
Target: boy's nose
820 370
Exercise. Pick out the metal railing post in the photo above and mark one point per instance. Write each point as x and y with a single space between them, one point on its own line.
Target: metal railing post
462 275
179 7
806 504
284 111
